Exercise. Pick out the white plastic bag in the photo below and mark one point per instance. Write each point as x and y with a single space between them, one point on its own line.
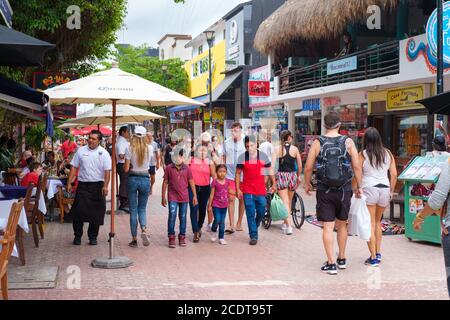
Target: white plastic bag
359 219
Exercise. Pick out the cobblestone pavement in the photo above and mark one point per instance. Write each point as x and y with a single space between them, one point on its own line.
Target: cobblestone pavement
279 267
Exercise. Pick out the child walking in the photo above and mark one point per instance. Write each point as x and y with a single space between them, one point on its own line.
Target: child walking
218 203
177 179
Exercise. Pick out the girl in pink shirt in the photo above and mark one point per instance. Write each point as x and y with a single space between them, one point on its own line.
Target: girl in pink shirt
218 203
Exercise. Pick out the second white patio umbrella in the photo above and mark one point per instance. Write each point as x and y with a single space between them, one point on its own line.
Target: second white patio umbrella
117 87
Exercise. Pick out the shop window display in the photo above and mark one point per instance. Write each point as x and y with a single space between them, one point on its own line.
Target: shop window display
307 129
354 121
412 136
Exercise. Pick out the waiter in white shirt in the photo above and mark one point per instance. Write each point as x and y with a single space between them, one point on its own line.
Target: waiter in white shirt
121 146
94 165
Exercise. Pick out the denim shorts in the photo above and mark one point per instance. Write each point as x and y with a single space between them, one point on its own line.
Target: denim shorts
377 196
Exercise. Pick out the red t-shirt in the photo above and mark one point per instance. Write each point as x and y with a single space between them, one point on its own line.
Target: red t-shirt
66 148
178 182
31 177
253 173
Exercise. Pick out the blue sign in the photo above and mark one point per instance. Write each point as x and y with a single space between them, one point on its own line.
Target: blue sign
343 65
6 12
432 32
311 104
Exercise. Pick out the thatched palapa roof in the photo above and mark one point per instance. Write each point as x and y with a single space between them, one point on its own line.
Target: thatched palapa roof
311 20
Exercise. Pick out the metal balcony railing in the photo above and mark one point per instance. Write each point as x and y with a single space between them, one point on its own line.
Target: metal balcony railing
379 61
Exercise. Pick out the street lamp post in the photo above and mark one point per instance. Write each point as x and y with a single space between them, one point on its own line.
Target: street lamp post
210 38
164 69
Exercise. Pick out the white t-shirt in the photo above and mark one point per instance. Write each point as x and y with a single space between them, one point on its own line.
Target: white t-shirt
121 146
130 155
267 148
233 151
92 163
153 155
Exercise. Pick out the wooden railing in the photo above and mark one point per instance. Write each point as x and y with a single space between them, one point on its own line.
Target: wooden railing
380 61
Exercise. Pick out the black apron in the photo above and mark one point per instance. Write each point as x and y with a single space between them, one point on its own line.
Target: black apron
90 204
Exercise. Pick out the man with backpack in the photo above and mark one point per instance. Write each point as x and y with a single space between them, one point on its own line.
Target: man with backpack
337 163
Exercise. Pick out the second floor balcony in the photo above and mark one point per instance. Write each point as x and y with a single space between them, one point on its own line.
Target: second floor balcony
374 62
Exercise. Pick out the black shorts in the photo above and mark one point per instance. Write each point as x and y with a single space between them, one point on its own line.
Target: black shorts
333 205
152 170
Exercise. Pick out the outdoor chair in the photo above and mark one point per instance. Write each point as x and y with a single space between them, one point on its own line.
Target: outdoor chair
10 178
62 202
34 216
7 240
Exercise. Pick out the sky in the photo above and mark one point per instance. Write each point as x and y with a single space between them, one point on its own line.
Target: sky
148 21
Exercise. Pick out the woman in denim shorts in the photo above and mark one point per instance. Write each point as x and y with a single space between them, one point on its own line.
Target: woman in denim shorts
378 188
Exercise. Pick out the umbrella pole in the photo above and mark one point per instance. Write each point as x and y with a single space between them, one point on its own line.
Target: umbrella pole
112 262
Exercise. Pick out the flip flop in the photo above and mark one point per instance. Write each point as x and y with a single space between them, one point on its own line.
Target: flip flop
229 231
239 229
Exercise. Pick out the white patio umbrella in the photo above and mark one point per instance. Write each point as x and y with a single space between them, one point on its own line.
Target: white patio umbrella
117 87
125 114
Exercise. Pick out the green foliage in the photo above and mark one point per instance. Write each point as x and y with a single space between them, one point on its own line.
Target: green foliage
35 136
76 50
6 158
134 60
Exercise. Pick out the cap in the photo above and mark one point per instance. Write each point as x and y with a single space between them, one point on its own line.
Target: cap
140 131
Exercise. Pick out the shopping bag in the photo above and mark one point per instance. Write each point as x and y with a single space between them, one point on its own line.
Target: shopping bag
359 219
278 210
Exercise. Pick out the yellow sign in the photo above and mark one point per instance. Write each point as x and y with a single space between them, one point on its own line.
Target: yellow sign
218 114
404 98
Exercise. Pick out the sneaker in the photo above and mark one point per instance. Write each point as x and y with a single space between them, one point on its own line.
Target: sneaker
133 244
253 242
289 230
283 228
145 239
77 241
214 238
172 243
341 263
209 227
372 262
182 240
223 242
378 256
329 268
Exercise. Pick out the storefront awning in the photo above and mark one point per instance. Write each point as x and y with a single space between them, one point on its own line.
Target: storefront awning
221 88
15 95
19 49
438 104
304 114
182 108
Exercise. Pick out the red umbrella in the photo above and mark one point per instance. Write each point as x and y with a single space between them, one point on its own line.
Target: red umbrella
84 131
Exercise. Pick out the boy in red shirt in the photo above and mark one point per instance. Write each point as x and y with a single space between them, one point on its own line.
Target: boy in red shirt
253 187
33 175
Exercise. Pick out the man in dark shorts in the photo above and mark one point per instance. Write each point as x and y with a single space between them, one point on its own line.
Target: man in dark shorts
338 160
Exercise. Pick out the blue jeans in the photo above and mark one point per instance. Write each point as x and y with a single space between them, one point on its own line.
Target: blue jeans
219 221
198 212
255 208
138 188
182 209
446 248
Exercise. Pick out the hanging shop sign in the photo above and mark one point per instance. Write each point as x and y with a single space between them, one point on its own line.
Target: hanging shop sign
6 12
258 88
218 114
235 56
311 104
342 65
261 74
46 80
432 32
404 98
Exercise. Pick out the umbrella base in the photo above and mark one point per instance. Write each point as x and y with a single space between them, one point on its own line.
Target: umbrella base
111 263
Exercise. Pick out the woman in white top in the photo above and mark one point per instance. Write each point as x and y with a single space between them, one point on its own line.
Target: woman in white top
378 188
137 162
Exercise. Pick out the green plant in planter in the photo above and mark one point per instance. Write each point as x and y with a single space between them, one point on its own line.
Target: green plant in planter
35 136
6 158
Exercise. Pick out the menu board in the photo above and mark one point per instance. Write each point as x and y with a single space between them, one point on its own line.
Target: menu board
424 168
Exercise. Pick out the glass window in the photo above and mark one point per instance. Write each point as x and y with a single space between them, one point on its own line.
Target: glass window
354 121
411 135
200 50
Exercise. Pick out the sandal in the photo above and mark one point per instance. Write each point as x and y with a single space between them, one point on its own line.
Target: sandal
229 231
239 229
133 244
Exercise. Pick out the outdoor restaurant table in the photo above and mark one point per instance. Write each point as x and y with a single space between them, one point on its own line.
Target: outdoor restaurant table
5 209
53 184
17 192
